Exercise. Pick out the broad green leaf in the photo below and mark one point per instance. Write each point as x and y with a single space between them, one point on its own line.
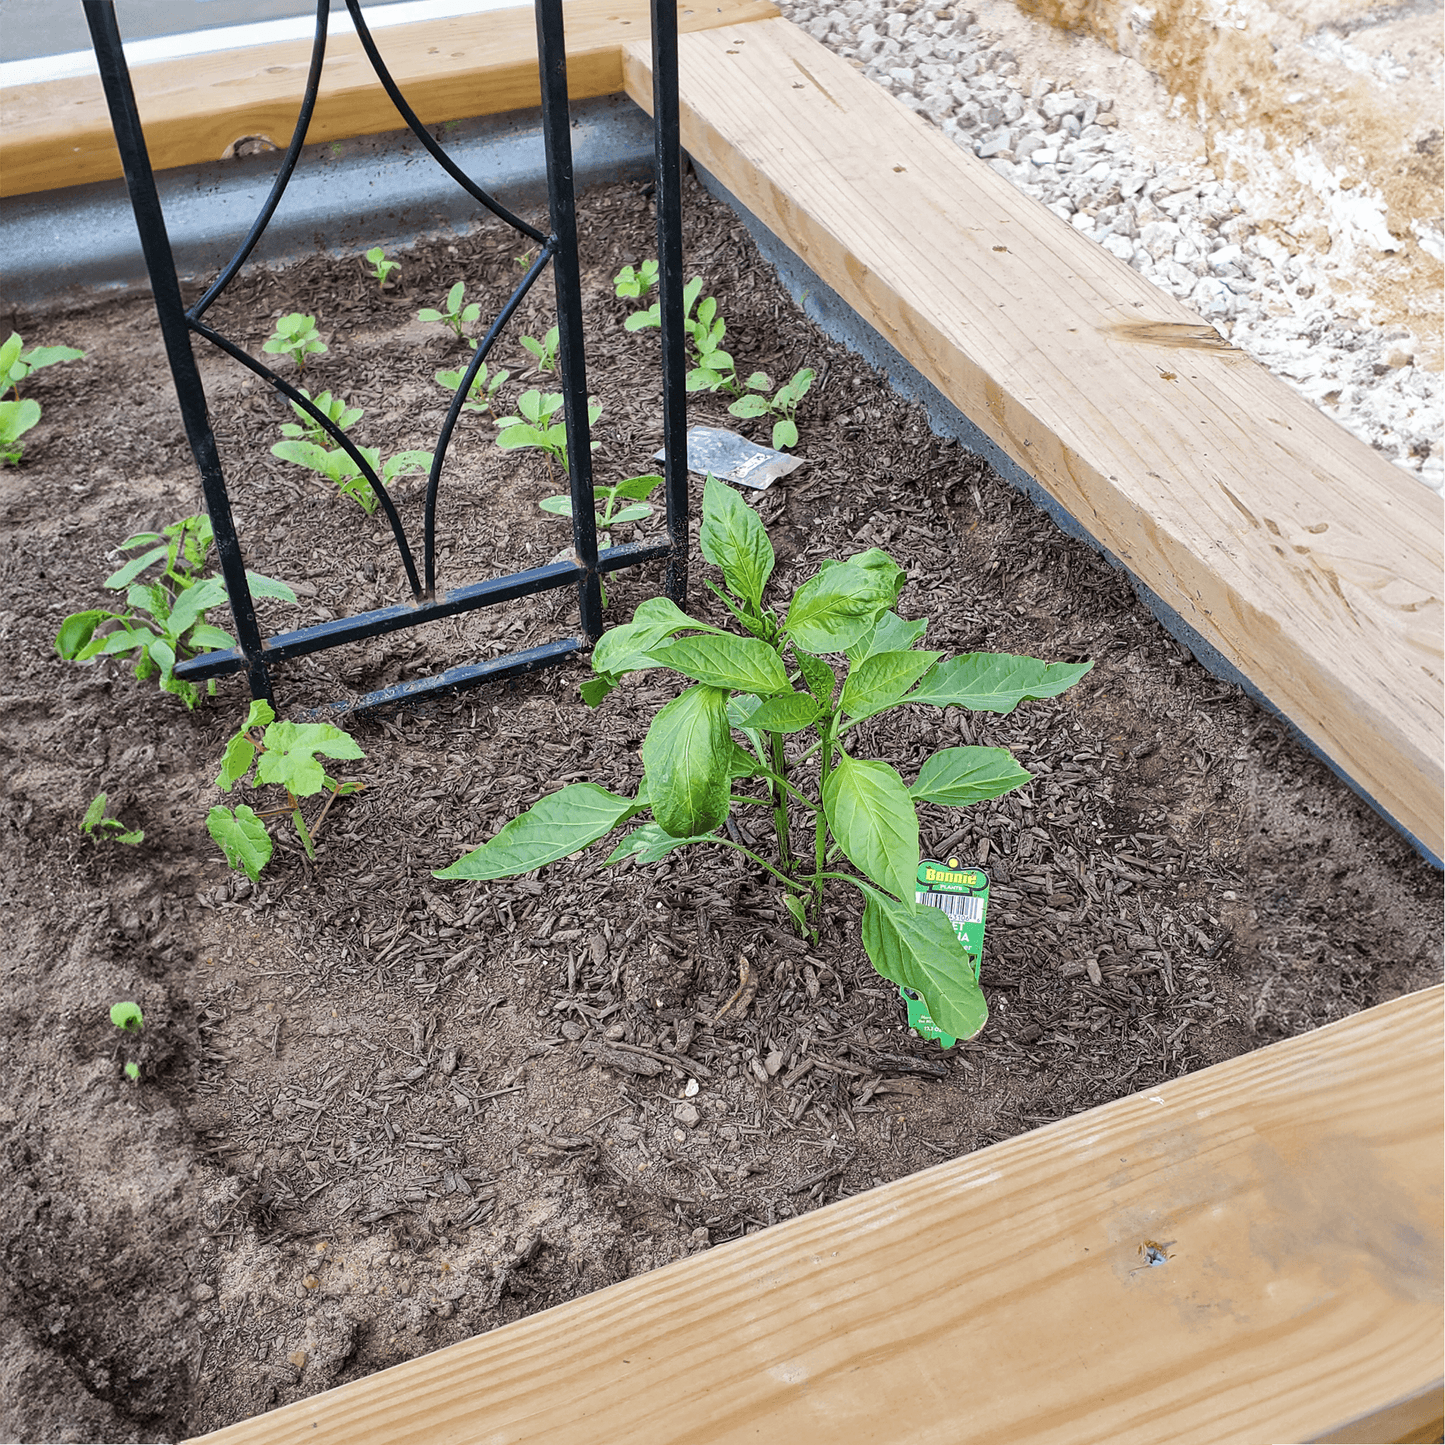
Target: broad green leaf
558 506
290 755
995 681
559 824
649 844
740 664
39 356
17 417
191 606
641 320
259 714
890 634
235 762
132 569
873 819
625 649
596 688
785 434
77 630
959 777
243 838
9 353
124 639
163 655
834 608
749 405
888 573
733 538
128 1016
741 708
790 713
94 813
206 638
637 489
639 512
685 760
917 948
818 677
881 680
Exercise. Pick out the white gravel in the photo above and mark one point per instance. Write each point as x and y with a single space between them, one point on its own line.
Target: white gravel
1178 225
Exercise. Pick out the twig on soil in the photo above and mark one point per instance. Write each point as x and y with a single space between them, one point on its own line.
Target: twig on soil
747 985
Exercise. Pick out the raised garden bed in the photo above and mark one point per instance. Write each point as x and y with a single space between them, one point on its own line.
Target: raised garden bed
373 1118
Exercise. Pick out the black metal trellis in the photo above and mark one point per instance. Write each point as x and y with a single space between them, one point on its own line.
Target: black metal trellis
256 655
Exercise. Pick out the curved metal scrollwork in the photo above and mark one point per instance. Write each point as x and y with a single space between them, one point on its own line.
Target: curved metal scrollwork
256 655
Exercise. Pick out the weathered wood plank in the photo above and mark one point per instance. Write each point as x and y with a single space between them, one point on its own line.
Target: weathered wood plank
1294 1195
57 133
1305 558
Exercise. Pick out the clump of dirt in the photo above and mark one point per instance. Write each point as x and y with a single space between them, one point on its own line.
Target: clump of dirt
379 1113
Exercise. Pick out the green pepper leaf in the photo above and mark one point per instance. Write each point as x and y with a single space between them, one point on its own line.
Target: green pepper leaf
559 824
837 606
890 634
880 680
740 664
917 948
626 649
872 817
649 844
995 681
77 630
734 539
818 677
685 760
790 713
958 777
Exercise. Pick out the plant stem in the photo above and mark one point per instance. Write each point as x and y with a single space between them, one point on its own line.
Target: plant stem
762 863
780 797
820 822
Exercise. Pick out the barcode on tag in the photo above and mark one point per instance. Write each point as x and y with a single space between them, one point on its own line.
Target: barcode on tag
958 906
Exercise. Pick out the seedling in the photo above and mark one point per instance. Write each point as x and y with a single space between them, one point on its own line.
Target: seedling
525 258
544 352
295 336
165 621
535 426
633 282
483 390
783 404
339 468
97 826
16 418
712 368
634 491
16 364
456 315
127 1017
774 684
336 411
284 754
381 268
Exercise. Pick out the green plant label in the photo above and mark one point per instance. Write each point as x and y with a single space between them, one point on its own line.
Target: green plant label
961 894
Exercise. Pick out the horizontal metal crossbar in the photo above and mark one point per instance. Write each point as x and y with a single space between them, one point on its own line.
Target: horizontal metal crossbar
454 679
391 619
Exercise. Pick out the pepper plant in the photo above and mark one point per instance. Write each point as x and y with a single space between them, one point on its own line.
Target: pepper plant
283 753
774 707
165 618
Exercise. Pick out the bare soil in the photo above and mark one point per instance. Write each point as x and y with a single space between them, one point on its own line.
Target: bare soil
378 1113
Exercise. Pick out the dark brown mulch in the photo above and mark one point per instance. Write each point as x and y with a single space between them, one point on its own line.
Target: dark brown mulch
380 1113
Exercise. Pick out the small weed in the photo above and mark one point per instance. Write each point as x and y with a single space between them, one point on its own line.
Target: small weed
634 491
100 828
456 316
165 621
381 268
339 468
284 754
295 336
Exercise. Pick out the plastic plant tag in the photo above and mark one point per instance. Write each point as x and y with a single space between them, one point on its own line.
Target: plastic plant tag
961 894
733 458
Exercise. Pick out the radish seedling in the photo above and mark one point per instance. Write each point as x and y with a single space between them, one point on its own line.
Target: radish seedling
284 754
543 352
535 426
456 315
339 468
97 826
483 389
633 282
336 411
635 490
381 268
783 404
769 686
16 364
295 336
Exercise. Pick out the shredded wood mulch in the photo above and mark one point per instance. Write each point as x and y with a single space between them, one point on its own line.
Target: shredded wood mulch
380 1113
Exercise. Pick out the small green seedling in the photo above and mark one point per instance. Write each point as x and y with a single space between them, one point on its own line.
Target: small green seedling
165 621
544 352
634 491
456 315
712 368
783 404
381 268
16 364
336 411
836 655
295 336
484 388
127 1017
339 468
16 418
633 282
525 258
535 426
97 826
284 754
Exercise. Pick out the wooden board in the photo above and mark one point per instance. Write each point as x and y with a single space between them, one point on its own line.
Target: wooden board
1304 557
57 133
1293 1195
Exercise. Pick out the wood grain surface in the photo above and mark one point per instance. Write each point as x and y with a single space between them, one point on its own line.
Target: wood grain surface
1290 1200
57 133
1304 557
